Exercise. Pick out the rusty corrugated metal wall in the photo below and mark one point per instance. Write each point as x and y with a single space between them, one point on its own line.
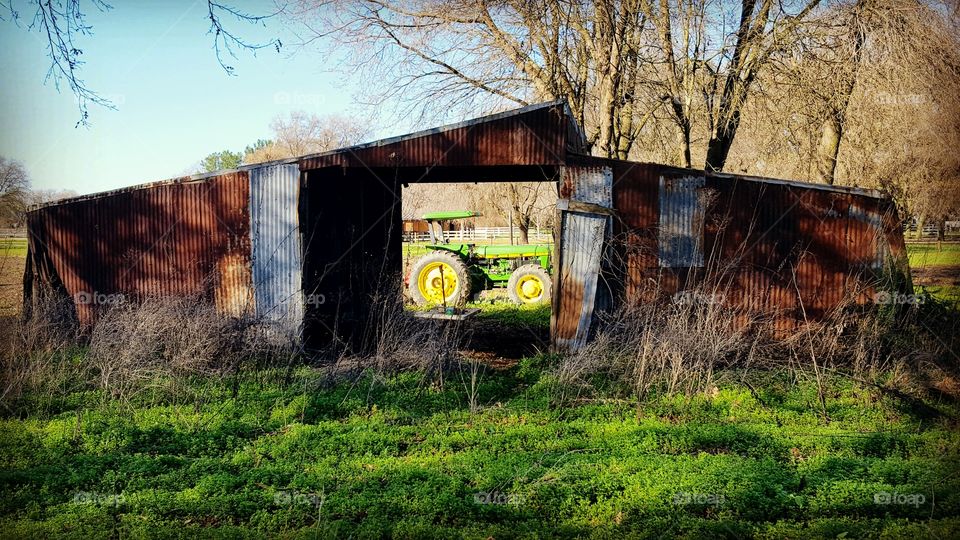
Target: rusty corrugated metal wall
584 223
535 135
775 249
177 238
328 226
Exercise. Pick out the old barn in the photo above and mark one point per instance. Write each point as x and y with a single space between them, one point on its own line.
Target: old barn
269 239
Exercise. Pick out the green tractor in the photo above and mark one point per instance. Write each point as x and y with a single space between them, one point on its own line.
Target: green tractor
450 272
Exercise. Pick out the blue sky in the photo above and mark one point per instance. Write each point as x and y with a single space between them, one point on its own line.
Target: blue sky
175 103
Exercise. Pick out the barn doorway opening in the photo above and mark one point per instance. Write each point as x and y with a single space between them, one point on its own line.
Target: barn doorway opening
490 254
483 251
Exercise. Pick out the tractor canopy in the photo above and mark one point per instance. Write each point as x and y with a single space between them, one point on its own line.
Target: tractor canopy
450 215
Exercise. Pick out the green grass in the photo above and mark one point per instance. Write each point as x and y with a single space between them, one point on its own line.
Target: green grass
401 458
927 254
413 251
948 293
13 247
510 314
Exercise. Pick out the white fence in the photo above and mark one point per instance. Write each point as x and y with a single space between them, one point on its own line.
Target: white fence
485 234
13 233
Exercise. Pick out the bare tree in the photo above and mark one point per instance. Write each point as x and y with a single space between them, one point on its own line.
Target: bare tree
524 202
877 93
14 190
62 25
616 63
302 133
764 28
446 53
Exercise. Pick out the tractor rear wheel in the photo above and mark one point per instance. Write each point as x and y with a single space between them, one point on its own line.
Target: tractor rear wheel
440 278
529 284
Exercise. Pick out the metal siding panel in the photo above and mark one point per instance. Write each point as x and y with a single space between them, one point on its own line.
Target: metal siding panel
582 238
277 255
756 235
172 239
534 137
680 235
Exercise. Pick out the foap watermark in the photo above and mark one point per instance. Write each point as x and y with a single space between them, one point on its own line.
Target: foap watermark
87 298
694 298
682 498
884 98
99 499
498 497
299 99
315 299
907 499
296 498
886 298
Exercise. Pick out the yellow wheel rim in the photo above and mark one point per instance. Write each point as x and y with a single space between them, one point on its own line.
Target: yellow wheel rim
437 282
529 289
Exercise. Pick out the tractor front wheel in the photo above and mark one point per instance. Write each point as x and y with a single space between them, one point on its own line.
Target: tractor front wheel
529 284
440 278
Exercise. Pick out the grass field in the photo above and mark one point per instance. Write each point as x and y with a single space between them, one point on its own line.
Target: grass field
936 270
400 458
928 254
13 247
13 252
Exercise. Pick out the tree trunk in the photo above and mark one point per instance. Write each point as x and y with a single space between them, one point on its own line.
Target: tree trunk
832 130
685 144
683 132
719 146
829 148
921 220
524 227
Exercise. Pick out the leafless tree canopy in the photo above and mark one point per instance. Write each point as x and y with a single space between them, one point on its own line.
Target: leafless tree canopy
302 133
819 90
620 65
854 92
14 191
62 26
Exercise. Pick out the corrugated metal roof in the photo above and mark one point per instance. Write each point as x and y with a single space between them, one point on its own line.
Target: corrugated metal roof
538 134
535 135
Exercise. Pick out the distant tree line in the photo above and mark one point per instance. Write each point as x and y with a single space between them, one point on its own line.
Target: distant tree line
297 134
16 197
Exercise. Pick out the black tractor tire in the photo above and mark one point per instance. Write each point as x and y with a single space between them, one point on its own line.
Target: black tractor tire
459 296
535 271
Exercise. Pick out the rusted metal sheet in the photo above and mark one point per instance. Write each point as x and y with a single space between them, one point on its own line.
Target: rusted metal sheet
579 255
188 237
680 233
276 251
783 251
535 135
